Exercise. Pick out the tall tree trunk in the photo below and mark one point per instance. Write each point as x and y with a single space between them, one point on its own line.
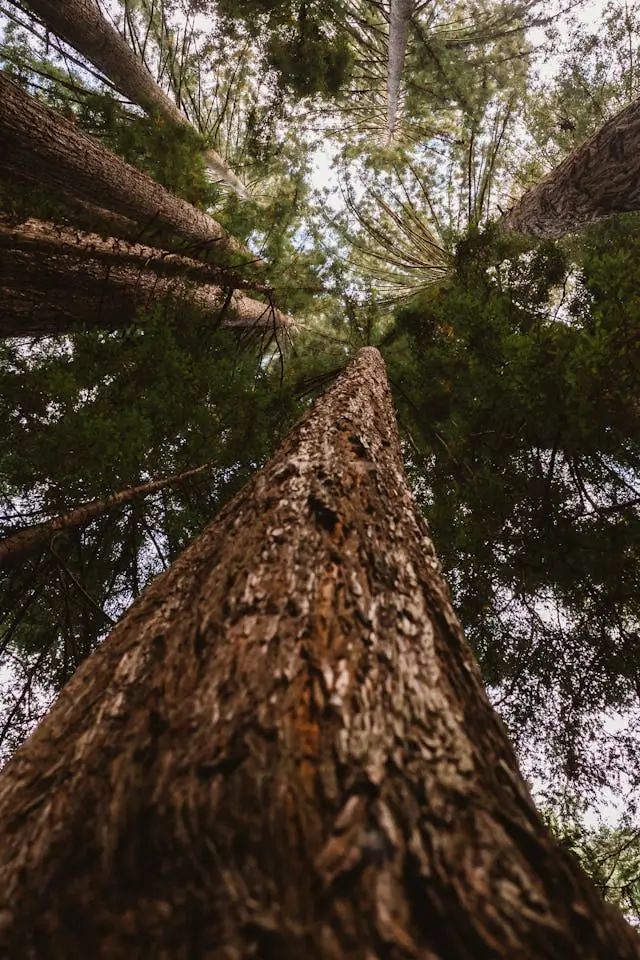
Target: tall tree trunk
82 213
599 178
284 749
56 281
19 545
49 240
82 25
400 13
42 146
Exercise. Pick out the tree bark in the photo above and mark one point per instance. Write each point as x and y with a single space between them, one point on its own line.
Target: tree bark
21 544
284 749
41 145
400 13
47 240
56 280
82 25
598 179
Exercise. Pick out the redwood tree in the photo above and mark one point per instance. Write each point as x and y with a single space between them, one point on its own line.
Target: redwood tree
42 146
111 281
82 24
599 178
285 749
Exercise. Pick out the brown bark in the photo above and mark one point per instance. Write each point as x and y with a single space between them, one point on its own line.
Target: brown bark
598 179
81 213
284 750
47 240
19 545
82 25
41 145
56 280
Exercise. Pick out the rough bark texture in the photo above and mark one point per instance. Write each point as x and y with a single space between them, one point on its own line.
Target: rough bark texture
400 13
599 178
81 213
43 146
15 548
47 240
82 25
284 750
111 281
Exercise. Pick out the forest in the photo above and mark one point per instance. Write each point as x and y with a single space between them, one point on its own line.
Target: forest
319 479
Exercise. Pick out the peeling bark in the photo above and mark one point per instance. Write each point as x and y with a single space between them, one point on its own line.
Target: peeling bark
82 25
57 280
598 179
42 146
284 750
21 544
400 14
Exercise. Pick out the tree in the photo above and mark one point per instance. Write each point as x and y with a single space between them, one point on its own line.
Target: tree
48 240
81 23
40 145
16 547
399 18
112 280
285 749
599 178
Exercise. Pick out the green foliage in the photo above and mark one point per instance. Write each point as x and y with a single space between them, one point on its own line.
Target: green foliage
597 75
172 155
307 61
87 416
304 48
609 855
518 405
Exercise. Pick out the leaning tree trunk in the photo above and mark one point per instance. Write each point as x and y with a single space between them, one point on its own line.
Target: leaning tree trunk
56 281
284 750
82 25
400 13
599 178
42 146
46 240
15 548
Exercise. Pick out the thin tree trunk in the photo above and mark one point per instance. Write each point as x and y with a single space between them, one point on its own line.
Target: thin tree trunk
82 25
284 749
50 285
400 13
19 545
599 178
42 146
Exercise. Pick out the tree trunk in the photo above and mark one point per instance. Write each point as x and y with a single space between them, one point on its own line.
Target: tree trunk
39 144
48 240
19 545
81 213
599 178
55 281
82 25
400 13
284 749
